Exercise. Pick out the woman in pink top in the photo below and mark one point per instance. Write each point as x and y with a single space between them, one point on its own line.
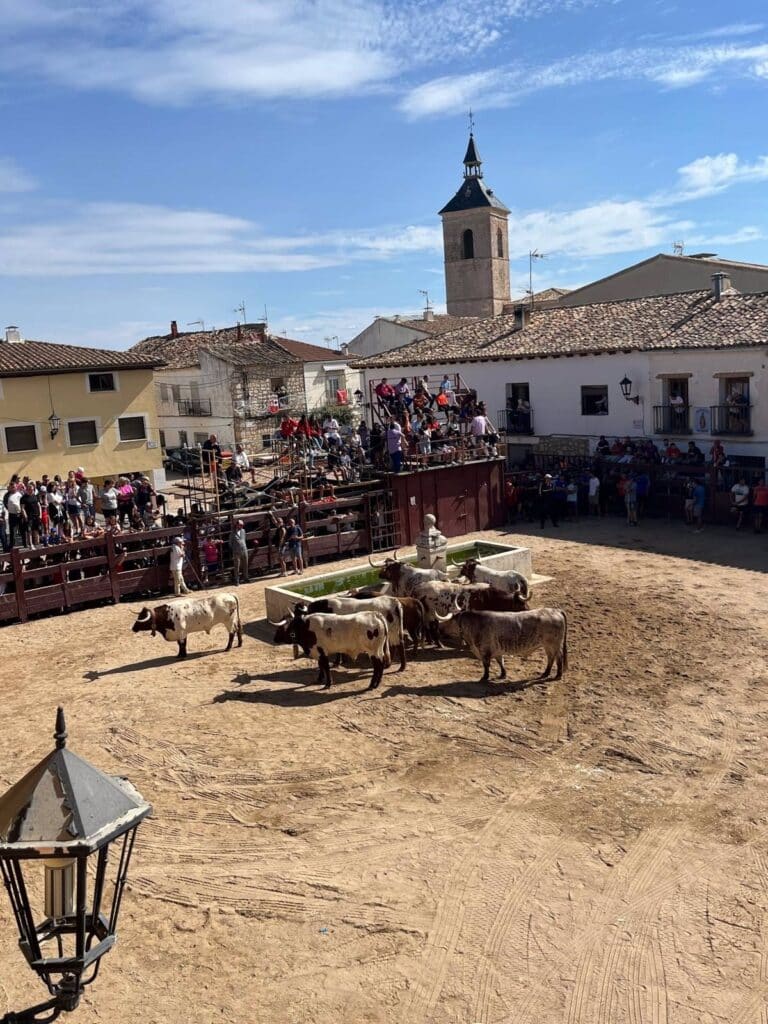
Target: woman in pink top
125 501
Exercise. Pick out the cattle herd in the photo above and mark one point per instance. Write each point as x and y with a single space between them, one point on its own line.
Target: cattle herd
483 609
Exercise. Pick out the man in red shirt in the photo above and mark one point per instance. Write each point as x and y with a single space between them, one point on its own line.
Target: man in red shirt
288 426
385 393
760 503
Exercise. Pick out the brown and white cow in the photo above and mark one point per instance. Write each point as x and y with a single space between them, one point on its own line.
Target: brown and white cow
321 636
413 615
177 619
388 607
404 578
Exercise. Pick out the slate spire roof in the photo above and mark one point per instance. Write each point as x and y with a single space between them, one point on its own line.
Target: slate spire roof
473 194
472 161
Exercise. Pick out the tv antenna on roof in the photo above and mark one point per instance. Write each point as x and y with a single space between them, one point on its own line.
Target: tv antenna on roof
678 248
533 254
427 303
240 309
197 323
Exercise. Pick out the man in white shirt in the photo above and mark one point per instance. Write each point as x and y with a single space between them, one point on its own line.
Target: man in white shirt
177 567
478 428
242 461
740 501
15 519
594 494
331 429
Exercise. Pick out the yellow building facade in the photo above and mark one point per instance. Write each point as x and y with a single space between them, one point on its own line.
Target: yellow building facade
64 407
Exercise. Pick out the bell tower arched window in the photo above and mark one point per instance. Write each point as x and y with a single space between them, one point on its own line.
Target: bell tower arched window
499 244
468 245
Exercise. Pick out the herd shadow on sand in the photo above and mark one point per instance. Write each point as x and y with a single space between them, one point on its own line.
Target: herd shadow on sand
304 691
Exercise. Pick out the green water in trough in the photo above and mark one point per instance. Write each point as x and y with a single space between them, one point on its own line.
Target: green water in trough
366 575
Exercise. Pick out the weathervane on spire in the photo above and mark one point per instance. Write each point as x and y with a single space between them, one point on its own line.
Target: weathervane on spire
471 122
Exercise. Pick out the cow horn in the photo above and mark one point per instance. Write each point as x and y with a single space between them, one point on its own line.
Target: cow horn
145 615
394 555
443 618
376 565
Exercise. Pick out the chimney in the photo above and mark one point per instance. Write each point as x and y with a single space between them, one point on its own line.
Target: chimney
174 329
429 313
13 335
521 316
239 331
721 283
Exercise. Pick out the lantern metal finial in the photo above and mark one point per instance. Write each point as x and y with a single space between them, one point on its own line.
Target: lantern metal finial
61 729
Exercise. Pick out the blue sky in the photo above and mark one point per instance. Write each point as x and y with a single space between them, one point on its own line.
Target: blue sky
168 159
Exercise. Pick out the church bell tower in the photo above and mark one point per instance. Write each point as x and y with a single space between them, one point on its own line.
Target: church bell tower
475 245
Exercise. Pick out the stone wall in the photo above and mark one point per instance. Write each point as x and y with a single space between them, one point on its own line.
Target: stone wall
562 446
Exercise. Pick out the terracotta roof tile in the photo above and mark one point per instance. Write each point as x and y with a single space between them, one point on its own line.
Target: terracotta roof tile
305 352
182 349
31 358
686 320
441 323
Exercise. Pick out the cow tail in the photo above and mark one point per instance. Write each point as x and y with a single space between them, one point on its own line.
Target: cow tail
387 654
525 589
239 620
565 642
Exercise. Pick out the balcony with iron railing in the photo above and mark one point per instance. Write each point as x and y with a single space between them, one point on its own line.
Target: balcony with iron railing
514 421
731 419
194 406
672 419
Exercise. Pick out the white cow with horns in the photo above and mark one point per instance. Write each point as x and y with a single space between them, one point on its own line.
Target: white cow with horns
177 619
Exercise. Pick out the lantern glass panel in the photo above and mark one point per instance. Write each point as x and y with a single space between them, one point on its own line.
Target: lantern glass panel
59 887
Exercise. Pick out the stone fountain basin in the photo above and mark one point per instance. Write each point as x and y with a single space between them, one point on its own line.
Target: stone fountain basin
281 597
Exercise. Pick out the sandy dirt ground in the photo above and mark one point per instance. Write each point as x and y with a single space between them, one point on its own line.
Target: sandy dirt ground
437 852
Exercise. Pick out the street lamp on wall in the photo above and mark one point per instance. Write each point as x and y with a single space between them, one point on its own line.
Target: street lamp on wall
58 816
55 423
626 390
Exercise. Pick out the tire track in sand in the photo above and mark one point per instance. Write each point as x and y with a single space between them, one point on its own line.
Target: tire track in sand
444 933
639 870
504 921
648 886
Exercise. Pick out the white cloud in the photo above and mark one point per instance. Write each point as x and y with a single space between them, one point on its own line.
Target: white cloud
176 51
501 87
13 178
132 238
711 174
730 31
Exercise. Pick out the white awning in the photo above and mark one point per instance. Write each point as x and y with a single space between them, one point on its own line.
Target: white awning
329 367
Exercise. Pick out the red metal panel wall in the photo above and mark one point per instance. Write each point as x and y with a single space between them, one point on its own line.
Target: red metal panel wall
464 498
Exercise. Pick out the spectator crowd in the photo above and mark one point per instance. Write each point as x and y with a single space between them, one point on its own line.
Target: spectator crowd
620 478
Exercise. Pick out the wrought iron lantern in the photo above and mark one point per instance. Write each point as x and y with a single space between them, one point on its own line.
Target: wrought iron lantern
54 422
62 818
626 390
